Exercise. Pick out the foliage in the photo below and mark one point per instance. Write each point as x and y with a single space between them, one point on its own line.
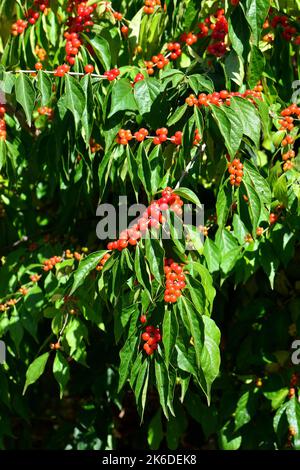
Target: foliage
149 341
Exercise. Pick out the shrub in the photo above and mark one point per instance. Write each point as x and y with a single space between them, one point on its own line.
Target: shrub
144 341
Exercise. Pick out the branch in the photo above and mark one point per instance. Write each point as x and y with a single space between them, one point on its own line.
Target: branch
79 74
190 165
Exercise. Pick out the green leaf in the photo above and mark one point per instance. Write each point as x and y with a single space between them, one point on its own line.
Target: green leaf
210 354
207 283
256 13
25 95
142 374
228 439
3 152
35 370
87 116
102 49
293 417
169 333
240 231
189 195
256 66
223 205
74 98
260 183
145 92
126 356
197 294
212 255
281 190
155 431
194 323
230 127
85 267
244 410
268 260
177 115
162 383
254 205
200 83
44 85
61 371
122 98
249 118
155 257
141 270
75 333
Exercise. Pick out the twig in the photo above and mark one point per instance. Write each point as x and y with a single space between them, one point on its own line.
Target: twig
63 327
190 165
79 74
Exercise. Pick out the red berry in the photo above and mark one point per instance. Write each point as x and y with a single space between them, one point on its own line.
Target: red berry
89 68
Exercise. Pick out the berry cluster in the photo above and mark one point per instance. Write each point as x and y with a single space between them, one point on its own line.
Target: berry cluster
35 277
102 262
223 97
150 5
287 124
80 18
124 136
118 16
6 305
40 52
151 336
189 38
2 122
138 78
161 136
175 281
124 30
235 169
273 218
112 74
197 137
50 263
61 70
151 218
75 255
18 27
218 26
294 379
289 33
141 134
94 146
159 61
73 45
175 49
89 68
32 15
23 290
45 111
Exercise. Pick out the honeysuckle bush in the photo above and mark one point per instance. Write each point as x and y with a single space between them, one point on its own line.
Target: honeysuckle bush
149 342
